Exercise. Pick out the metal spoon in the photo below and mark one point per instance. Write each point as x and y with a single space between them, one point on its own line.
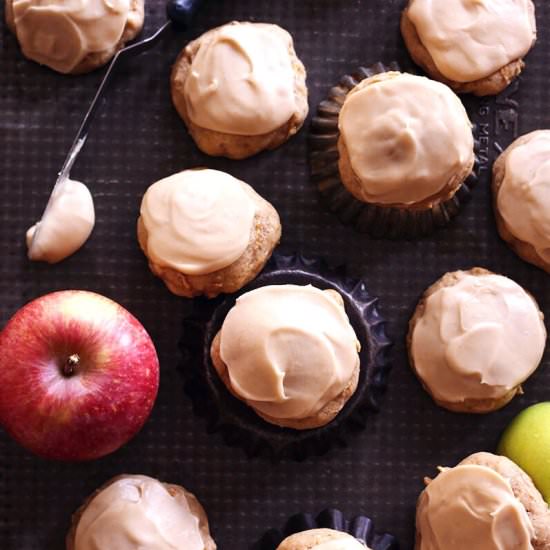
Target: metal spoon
180 15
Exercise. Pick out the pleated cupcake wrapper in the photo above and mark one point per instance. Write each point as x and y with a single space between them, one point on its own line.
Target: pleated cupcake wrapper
236 421
360 527
378 221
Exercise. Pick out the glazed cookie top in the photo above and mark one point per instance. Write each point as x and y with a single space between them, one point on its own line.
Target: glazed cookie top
241 80
197 221
61 33
471 39
472 507
289 349
523 199
321 539
138 511
406 136
477 339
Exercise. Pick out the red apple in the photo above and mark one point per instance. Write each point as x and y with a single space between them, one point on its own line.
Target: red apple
78 375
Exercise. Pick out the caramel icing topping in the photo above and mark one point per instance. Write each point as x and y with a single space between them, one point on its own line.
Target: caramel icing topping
138 512
197 221
477 339
523 199
61 33
66 225
472 507
471 39
289 349
241 80
407 137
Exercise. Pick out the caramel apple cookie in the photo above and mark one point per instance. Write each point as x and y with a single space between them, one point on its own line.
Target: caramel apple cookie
391 153
474 338
240 89
136 511
485 502
282 368
404 141
74 37
472 46
290 353
521 192
206 232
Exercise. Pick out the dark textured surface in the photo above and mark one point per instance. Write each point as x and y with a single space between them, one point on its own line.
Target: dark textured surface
139 139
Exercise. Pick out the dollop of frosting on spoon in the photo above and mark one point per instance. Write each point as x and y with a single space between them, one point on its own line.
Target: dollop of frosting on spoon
66 225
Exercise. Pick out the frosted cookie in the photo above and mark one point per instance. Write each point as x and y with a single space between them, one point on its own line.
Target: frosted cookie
321 539
474 338
392 154
74 37
300 345
405 141
521 191
206 232
290 353
135 511
240 89
471 45
485 502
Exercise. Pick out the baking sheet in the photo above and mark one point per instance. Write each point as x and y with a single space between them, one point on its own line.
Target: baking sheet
138 139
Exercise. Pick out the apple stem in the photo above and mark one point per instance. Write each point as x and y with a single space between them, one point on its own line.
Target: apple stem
69 368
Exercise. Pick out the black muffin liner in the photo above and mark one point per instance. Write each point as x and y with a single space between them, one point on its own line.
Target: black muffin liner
360 527
237 422
378 221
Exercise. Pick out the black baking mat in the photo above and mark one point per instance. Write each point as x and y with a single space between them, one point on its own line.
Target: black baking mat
139 139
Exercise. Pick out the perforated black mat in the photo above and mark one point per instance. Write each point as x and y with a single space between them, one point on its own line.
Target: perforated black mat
139 139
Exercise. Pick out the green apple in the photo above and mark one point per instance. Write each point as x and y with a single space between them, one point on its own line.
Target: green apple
526 441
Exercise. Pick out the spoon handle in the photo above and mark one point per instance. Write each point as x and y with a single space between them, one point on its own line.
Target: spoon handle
180 14
126 53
